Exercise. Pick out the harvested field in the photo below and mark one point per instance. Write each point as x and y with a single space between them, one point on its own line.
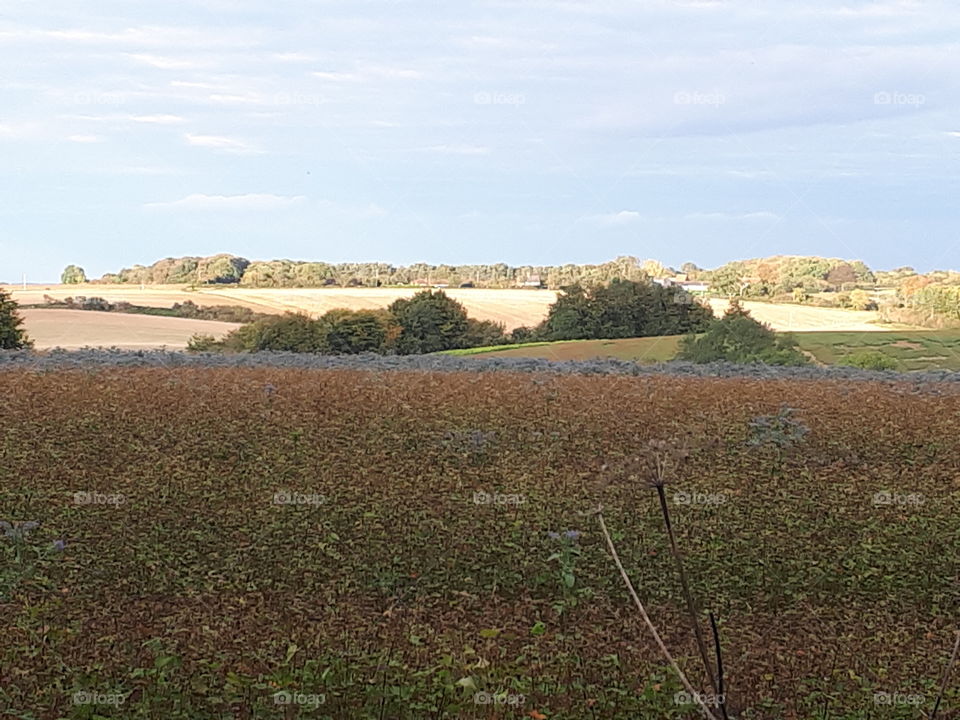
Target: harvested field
512 307
377 544
806 318
70 329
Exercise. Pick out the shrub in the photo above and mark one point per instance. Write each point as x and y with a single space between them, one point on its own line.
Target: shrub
292 332
624 308
348 332
870 360
430 322
739 338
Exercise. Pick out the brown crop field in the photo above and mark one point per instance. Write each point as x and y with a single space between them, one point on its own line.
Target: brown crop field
278 543
71 329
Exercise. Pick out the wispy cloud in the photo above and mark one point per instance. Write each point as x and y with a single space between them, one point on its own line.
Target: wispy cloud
250 201
761 215
85 138
459 149
624 217
221 143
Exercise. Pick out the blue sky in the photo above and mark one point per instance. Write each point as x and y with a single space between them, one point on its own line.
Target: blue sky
523 132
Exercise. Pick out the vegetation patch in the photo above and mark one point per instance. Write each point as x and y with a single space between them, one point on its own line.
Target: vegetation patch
275 543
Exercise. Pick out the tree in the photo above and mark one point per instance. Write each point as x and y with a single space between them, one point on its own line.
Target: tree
73 275
622 309
430 322
483 333
221 269
12 335
841 275
292 332
738 338
348 332
861 300
570 317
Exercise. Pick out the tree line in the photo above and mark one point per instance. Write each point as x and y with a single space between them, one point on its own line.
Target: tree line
229 269
431 321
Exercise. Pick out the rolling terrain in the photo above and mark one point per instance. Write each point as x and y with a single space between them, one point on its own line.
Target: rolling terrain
70 329
911 349
512 307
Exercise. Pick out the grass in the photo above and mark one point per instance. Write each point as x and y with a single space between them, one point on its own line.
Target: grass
910 349
408 571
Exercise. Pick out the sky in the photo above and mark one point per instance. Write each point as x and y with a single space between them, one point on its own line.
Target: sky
477 131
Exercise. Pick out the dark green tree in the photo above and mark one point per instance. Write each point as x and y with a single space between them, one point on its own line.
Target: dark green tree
347 332
12 335
624 308
570 317
738 338
430 322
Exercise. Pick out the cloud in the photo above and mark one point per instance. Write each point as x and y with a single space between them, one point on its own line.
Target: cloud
167 63
624 217
218 142
84 138
250 201
459 149
761 215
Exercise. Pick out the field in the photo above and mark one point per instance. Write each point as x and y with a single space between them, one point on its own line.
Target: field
514 308
84 328
912 350
376 545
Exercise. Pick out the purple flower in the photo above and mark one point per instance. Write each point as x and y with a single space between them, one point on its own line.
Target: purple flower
553 535
572 534
59 545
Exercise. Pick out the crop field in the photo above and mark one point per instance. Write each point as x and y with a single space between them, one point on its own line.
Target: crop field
512 307
281 543
68 329
910 349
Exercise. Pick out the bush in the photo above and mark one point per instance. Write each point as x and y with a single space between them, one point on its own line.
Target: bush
739 338
870 360
292 332
348 332
204 343
430 322
622 309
